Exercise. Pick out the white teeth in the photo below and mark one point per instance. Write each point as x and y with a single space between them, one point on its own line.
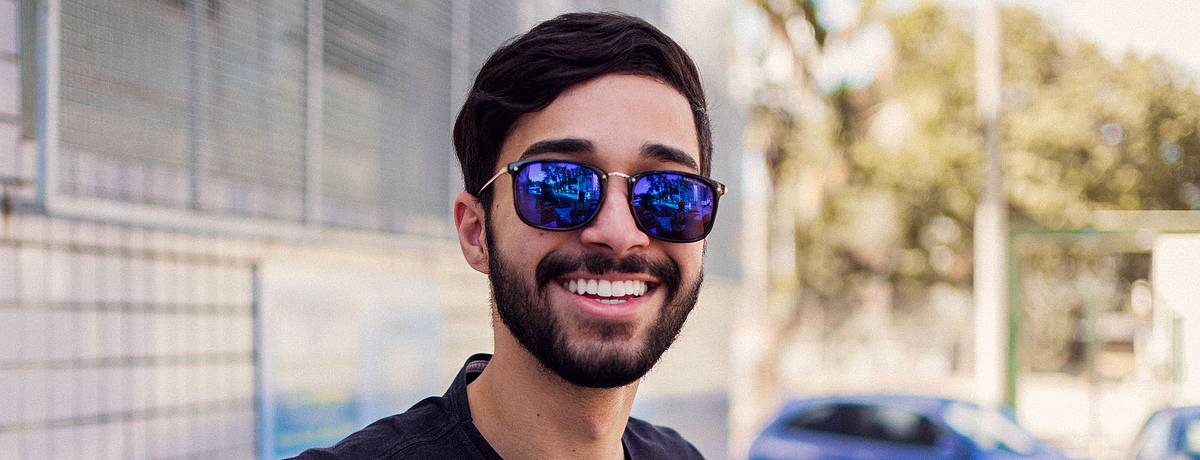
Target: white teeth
606 288
618 288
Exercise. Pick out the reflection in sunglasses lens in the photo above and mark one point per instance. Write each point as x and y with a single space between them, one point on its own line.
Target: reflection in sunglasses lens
673 206
560 195
557 195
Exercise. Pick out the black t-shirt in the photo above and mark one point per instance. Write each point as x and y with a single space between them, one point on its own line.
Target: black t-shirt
441 428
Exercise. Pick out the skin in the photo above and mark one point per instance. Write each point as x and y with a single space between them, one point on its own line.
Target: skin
521 408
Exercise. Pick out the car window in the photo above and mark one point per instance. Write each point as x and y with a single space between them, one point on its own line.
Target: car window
1012 437
882 423
1191 437
1153 442
989 429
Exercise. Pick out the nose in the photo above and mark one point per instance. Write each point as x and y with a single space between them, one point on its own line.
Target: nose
613 228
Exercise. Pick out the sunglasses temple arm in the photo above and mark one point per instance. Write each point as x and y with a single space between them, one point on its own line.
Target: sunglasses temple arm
493 179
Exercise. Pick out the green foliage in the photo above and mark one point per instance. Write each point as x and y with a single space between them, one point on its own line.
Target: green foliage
1080 133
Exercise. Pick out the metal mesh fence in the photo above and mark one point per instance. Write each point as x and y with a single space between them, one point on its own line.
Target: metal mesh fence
184 104
252 102
491 23
419 195
124 101
386 114
202 104
121 342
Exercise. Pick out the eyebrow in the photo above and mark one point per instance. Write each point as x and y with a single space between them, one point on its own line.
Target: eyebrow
666 153
564 145
572 145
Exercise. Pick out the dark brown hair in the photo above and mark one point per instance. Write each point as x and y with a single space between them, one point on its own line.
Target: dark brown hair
527 73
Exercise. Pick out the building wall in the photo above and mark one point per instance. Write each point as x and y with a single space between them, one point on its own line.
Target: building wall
184 287
10 95
124 342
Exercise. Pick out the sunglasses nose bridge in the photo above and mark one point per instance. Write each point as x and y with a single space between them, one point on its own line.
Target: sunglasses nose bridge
627 177
619 174
623 186
627 186
614 225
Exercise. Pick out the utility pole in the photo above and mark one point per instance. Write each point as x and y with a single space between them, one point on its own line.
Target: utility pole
991 220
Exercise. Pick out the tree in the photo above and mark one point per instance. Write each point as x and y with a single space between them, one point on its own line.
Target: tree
877 180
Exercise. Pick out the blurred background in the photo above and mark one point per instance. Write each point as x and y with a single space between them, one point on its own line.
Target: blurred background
225 228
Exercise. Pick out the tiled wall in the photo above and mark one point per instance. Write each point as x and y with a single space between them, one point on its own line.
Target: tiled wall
120 342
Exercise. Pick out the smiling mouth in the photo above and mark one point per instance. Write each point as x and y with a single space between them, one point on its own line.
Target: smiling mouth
608 292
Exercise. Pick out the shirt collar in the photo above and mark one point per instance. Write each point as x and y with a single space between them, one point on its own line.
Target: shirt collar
457 393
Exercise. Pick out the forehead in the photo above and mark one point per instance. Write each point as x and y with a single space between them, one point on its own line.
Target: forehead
620 115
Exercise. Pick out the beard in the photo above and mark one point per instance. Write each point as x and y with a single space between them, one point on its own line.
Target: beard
611 362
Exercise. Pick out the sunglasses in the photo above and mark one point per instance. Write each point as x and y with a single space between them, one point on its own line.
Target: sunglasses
563 195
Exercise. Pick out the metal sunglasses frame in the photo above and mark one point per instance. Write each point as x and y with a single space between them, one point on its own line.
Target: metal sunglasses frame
516 166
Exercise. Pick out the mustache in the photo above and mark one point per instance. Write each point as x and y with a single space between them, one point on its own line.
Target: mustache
557 264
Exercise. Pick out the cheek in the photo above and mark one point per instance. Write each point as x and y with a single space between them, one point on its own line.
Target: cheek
523 246
690 258
504 222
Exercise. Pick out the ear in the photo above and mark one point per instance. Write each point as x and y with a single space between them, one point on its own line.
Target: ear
468 220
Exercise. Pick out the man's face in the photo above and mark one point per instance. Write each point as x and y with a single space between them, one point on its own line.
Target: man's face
596 340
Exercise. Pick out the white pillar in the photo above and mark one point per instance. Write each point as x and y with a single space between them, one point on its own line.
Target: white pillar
991 219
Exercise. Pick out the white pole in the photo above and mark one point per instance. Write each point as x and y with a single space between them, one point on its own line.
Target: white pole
991 219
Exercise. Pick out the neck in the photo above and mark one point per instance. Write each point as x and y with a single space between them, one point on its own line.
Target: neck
526 411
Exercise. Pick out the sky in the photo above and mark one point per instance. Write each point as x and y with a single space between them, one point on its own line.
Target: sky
1167 27
1170 28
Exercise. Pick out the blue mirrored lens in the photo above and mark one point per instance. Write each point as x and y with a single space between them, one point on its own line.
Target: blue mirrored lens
673 206
557 195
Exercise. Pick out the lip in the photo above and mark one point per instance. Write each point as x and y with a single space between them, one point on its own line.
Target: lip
593 308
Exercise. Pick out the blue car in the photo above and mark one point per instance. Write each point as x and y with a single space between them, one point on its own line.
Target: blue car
1170 434
894 427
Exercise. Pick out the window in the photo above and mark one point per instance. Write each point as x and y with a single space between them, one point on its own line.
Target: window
989 430
882 423
1154 440
203 106
1191 437
208 106
184 105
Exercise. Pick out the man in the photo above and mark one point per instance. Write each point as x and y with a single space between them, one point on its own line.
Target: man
585 147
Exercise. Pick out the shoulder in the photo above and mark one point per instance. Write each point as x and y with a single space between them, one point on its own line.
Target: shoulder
427 424
645 440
